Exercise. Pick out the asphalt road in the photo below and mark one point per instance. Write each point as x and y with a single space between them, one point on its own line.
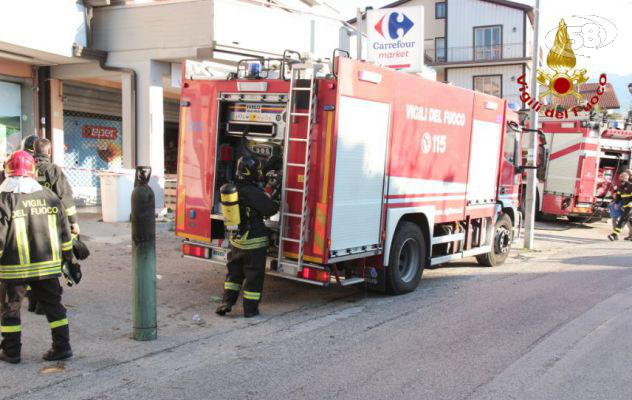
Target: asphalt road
552 324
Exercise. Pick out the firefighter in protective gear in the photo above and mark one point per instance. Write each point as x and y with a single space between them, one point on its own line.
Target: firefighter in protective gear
51 176
34 241
623 196
249 244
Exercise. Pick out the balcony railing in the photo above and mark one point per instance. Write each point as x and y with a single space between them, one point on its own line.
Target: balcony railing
477 53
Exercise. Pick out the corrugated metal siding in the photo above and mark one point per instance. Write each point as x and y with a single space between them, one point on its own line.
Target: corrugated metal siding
91 99
106 101
171 110
464 15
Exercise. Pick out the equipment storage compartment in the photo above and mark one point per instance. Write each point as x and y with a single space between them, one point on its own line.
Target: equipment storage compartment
247 125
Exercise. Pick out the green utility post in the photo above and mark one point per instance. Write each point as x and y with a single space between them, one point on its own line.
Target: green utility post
144 257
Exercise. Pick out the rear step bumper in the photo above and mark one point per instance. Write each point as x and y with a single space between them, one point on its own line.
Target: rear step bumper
289 270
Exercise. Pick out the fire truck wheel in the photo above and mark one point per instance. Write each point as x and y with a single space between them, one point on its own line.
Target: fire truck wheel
501 243
407 258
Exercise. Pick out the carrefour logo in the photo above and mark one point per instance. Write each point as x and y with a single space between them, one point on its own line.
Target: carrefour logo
396 23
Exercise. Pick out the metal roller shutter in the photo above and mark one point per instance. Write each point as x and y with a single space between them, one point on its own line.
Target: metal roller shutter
91 99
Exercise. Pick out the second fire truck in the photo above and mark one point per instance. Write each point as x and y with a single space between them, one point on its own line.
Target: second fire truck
581 162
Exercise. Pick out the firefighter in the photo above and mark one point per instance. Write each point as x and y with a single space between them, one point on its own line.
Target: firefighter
34 241
249 244
51 176
623 196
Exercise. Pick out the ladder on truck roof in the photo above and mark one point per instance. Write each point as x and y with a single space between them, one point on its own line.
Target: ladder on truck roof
302 83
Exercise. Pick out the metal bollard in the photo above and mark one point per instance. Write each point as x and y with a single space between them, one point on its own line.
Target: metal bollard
144 257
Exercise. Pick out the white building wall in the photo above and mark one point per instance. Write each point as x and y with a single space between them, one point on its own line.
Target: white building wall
464 15
464 77
153 25
22 20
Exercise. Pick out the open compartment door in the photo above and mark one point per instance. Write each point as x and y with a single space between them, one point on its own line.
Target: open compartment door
196 160
361 146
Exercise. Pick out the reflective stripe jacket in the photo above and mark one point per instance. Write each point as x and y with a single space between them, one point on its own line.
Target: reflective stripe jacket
51 176
624 194
254 204
34 236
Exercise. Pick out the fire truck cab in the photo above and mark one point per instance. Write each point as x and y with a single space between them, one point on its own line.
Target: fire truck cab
383 172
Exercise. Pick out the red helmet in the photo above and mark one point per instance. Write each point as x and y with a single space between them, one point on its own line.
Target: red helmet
20 163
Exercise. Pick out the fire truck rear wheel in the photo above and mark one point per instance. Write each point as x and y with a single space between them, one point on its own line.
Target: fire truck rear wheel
501 243
406 260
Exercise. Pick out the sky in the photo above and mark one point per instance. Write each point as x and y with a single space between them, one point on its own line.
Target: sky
614 17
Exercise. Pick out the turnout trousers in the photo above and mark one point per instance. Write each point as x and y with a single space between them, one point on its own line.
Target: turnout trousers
245 267
623 219
47 292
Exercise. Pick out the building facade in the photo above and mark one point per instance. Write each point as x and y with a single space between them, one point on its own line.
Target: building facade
483 45
104 84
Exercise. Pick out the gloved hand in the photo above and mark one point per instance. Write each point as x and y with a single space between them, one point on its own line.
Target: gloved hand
273 179
273 184
79 248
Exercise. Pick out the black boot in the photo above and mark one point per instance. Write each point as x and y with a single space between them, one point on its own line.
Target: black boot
57 354
251 308
224 309
10 359
13 357
229 299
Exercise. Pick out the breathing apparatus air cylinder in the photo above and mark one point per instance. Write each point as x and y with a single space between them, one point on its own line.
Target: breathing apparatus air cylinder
229 199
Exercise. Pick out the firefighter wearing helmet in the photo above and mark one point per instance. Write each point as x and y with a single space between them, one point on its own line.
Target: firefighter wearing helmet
34 241
244 206
623 195
51 176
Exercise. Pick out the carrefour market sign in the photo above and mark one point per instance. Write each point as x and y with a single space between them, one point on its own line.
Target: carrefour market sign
396 37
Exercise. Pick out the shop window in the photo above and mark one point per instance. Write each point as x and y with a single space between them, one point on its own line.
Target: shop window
93 144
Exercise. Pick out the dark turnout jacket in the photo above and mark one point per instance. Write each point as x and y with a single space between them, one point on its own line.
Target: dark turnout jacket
624 194
34 236
51 176
254 205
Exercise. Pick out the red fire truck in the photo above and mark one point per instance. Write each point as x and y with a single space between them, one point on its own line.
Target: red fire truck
384 172
580 169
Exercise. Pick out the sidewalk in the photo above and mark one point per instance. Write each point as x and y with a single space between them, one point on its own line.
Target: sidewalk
93 229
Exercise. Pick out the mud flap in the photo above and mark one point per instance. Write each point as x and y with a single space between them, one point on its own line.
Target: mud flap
375 278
